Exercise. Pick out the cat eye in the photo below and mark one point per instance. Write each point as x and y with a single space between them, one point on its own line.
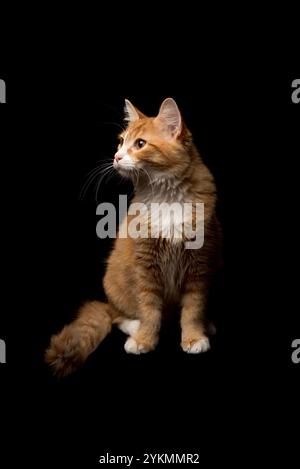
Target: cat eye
121 141
139 143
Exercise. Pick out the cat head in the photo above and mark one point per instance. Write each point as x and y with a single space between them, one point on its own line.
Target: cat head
157 146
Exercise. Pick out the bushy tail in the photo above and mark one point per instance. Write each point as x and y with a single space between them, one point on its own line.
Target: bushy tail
70 348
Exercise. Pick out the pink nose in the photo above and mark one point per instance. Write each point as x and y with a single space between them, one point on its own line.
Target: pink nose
118 157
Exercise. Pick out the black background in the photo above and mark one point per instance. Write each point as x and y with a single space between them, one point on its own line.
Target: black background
58 122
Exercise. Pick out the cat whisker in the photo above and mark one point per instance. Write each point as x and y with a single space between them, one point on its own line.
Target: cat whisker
87 184
114 123
108 172
91 176
99 167
150 180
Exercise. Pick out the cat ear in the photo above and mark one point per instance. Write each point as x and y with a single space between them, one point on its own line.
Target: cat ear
169 115
131 113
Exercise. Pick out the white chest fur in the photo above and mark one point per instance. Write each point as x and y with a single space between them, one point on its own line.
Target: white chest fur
166 210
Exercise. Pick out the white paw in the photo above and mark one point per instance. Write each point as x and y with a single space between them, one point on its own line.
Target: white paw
129 326
131 346
202 345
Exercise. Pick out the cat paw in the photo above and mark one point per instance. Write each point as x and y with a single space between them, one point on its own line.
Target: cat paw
129 326
132 346
196 346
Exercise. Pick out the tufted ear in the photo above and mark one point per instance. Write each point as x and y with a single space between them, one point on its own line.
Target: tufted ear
170 116
132 113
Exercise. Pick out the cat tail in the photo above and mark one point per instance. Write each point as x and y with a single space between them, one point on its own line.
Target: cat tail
70 348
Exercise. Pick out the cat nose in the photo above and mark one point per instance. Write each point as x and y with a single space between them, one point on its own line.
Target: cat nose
118 157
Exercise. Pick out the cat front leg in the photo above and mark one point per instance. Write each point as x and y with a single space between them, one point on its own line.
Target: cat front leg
193 338
129 326
146 337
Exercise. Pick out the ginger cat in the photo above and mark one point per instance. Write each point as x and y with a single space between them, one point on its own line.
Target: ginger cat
144 275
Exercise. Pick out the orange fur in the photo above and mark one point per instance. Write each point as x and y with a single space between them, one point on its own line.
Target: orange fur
143 275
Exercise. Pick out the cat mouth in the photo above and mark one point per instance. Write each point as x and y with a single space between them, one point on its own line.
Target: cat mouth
122 166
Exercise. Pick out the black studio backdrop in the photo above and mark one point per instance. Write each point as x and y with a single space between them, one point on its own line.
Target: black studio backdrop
59 122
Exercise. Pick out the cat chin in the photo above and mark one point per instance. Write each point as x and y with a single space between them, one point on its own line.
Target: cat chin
125 172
